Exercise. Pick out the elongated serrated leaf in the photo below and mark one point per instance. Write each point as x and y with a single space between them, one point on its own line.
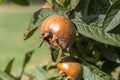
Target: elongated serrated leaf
9 66
108 53
91 72
112 19
68 4
97 34
95 20
37 20
21 2
5 76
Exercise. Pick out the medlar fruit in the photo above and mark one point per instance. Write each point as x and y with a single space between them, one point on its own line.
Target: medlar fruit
71 67
58 31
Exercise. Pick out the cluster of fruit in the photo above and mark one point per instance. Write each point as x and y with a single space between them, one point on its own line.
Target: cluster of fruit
59 32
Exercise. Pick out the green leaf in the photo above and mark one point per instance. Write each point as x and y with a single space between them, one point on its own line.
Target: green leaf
46 13
91 72
85 7
37 19
97 34
26 60
112 19
95 20
49 66
108 53
41 74
27 57
50 1
21 2
113 1
98 6
68 4
33 25
54 54
5 76
9 66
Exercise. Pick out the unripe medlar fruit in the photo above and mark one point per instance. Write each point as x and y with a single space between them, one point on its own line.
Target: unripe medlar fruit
58 31
71 67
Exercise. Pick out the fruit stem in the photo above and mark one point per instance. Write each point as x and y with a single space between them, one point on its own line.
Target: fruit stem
67 78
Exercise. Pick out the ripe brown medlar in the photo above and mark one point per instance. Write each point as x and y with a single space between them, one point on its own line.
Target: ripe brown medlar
71 66
58 31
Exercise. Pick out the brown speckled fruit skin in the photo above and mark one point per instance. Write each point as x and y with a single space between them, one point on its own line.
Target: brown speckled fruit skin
62 28
71 67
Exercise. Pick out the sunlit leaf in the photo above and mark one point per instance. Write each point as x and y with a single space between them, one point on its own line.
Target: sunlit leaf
41 74
50 1
5 76
91 72
68 4
97 34
112 19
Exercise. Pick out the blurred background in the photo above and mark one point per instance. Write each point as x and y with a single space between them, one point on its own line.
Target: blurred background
14 20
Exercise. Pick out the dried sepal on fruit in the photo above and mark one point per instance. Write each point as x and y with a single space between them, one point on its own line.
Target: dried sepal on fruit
71 66
58 31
